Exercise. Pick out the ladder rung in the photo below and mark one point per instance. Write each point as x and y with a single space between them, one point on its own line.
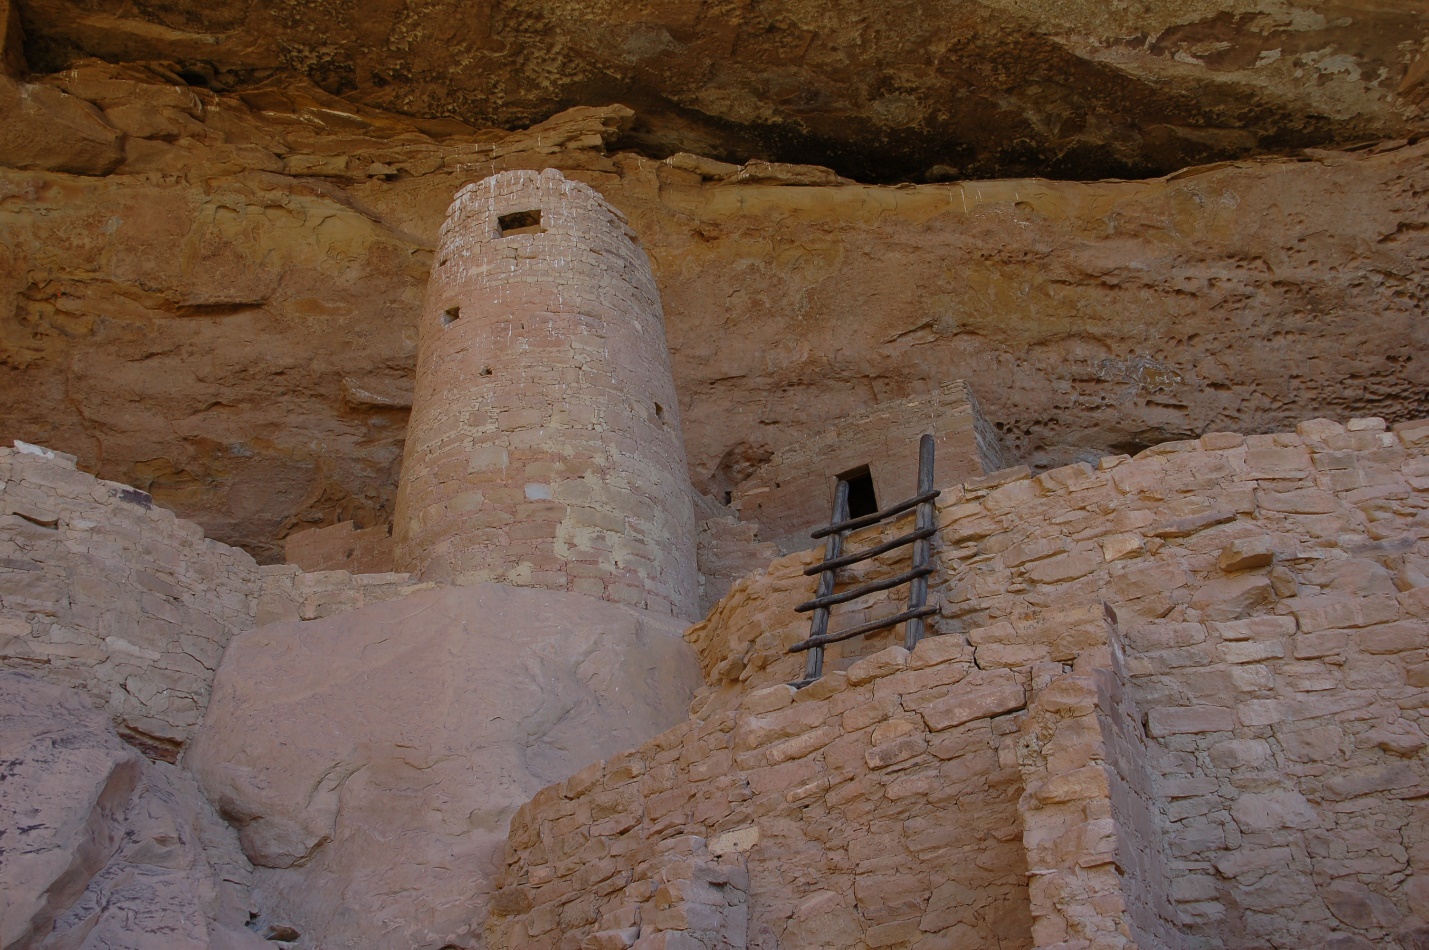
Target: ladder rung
877 516
859 631
883 548
869 588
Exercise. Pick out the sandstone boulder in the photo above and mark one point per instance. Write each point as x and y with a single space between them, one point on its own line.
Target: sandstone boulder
101 848
372 760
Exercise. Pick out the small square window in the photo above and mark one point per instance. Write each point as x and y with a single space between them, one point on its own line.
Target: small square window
520 222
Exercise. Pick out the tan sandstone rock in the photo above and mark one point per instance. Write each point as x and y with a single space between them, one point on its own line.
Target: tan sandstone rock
372 760
101 848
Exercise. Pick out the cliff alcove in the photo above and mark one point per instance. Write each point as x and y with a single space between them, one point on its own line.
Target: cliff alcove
1155 275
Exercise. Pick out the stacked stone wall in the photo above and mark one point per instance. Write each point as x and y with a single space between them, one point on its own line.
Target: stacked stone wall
869 810
544 447
1239 760
102 590
289 593
792 493
341 547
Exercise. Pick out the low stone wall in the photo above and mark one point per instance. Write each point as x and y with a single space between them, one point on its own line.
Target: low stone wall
289 593
101 589
1243 764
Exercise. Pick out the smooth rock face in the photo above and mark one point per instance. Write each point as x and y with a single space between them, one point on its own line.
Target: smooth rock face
931 88
372 760
103 849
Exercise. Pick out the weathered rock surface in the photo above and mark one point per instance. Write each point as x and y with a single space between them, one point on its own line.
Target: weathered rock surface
927 87
101 849
229 320
372 760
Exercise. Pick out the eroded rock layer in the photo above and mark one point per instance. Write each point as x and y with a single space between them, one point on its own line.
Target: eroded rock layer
104 849
930 88
228 319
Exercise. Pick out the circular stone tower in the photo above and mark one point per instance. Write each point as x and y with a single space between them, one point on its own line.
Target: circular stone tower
544 447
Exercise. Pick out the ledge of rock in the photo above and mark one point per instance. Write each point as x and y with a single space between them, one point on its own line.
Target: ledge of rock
372 760
932 89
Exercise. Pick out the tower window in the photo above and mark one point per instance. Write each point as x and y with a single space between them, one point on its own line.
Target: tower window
520 222
450 316
861 498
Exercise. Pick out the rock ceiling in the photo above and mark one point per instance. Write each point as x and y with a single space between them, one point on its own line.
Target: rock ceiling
894 90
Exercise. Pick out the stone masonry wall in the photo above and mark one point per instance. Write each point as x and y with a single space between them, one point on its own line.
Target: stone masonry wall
869 811
102 590
1238 760
544 447
341 547
792 494
289 593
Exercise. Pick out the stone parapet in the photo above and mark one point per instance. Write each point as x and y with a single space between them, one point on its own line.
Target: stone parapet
864 811
102 590
288 593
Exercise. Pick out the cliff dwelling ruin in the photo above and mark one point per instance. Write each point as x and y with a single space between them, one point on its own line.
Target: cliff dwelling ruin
760 477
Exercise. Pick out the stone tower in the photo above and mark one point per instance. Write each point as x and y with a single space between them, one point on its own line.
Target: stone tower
544 447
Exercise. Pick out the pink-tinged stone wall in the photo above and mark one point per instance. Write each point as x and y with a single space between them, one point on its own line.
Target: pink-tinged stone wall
869 810
793 493
102 590
1186 693
544 447
341 547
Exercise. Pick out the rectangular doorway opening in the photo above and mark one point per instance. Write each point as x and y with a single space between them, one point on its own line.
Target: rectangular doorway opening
861 498
520 222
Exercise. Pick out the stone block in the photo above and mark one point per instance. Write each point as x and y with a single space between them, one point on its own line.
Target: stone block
883 663
1232 598
1067 567
976 703
1246 554
1253 628
1090 781
1184 720
931 651
1252 651
1302 501
897 750
1393 638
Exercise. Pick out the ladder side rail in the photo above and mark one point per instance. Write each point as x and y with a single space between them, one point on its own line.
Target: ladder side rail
833 547
923 547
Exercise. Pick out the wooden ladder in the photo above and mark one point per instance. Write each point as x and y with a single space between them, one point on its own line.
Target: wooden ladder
916 578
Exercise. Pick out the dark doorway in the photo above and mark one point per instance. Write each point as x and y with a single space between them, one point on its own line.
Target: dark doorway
861 498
